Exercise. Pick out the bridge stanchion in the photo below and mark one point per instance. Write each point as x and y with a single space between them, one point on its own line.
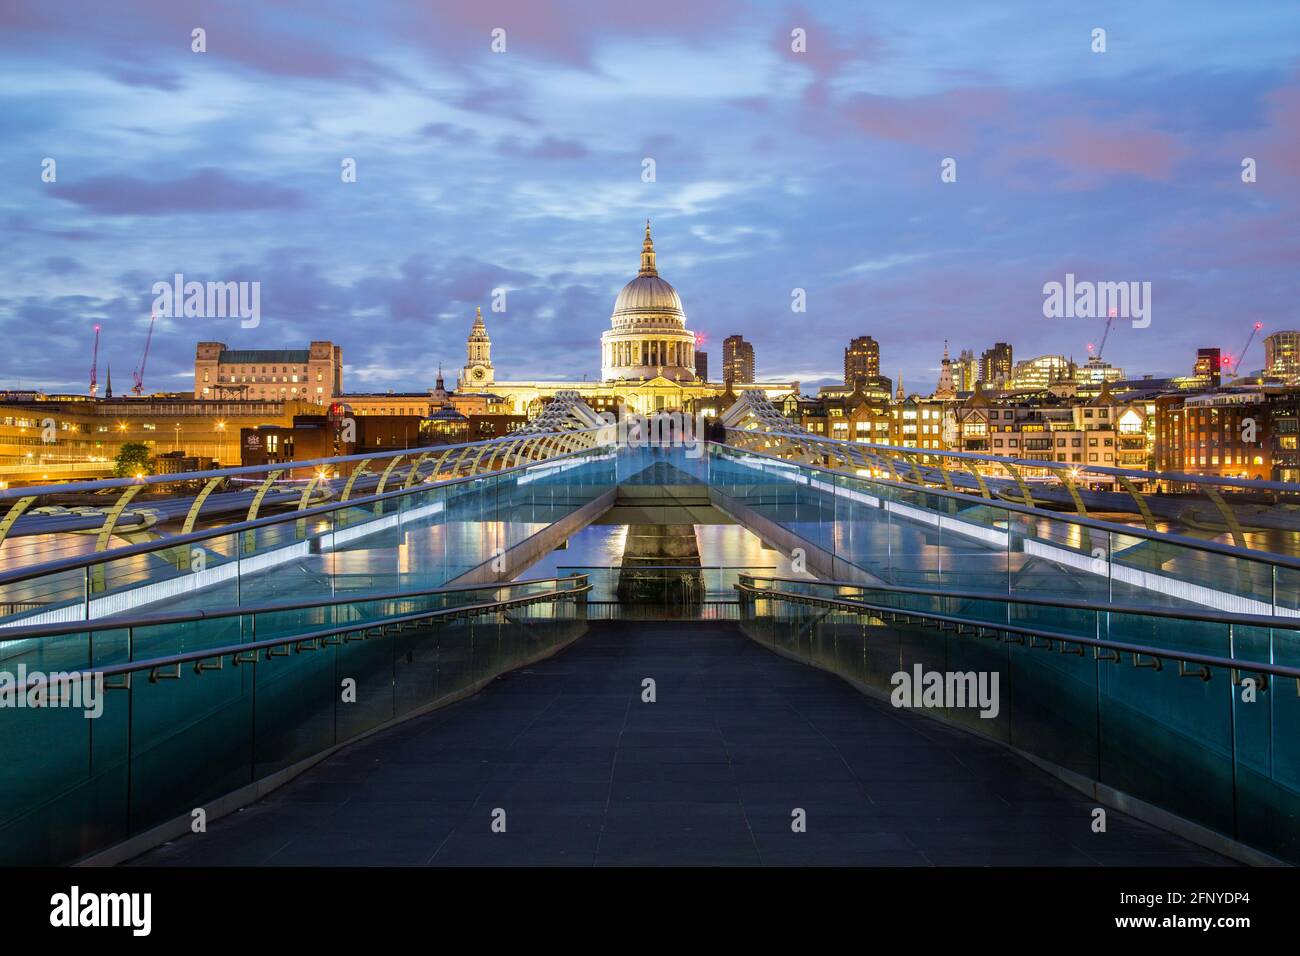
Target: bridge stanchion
459 460
1026 495
916 469
21 505
383 480
250 537
979 480
357 472
1229 517
473 468
183 554
415 470
943 474
300 526
1085 539
98 582
1140 500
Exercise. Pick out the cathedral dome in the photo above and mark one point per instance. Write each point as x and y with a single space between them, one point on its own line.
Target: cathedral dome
648 301
648 337
648 293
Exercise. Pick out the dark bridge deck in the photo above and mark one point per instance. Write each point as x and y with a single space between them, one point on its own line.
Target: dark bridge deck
709 774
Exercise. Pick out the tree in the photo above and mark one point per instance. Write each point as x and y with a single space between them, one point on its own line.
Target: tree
133 458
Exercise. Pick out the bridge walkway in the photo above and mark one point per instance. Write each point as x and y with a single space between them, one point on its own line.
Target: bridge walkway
709 774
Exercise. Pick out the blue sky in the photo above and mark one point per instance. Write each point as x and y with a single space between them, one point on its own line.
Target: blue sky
522 170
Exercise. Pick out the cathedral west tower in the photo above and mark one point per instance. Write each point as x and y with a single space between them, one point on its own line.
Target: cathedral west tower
478 371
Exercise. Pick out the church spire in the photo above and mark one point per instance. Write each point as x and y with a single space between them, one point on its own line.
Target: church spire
946 387
478 355
648 254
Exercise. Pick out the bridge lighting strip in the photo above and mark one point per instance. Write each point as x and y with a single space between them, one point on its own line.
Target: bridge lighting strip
188 583
548 470
1162 584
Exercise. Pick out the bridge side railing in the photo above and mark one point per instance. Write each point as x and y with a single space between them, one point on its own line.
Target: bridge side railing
76 517
1193 715
320 551
1029 481
95 755
899 533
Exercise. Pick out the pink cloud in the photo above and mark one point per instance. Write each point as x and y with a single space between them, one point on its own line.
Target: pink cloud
1088 150
938 122
1275 148
566 31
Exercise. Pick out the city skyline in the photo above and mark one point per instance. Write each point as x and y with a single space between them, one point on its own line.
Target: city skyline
523 171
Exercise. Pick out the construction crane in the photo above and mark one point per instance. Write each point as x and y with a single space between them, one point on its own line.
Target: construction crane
1104 336
94 362
1236 368
138 374
1094 359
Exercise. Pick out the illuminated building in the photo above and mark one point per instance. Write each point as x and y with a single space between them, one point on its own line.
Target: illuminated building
995 365
478 371
737 359
647 358
1282 357
313 374
861 360
1042 372
1223 433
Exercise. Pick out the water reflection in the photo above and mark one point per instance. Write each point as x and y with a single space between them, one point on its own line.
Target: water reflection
721 545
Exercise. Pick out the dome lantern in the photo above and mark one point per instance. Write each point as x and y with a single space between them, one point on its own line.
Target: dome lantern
648 254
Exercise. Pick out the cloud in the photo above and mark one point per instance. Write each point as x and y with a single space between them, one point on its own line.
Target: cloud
448 133
1087 149
943 122
252 36
549 147
563 32
207 190
63 265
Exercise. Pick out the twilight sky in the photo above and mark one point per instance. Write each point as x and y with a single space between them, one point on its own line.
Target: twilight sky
523 170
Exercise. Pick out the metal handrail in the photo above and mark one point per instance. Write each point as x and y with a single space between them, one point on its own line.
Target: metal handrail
161 544
184 617
1163 653
1286 487
1214 547
1275 622
228 650
105 483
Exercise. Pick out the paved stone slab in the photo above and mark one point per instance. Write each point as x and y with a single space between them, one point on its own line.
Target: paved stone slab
709 774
